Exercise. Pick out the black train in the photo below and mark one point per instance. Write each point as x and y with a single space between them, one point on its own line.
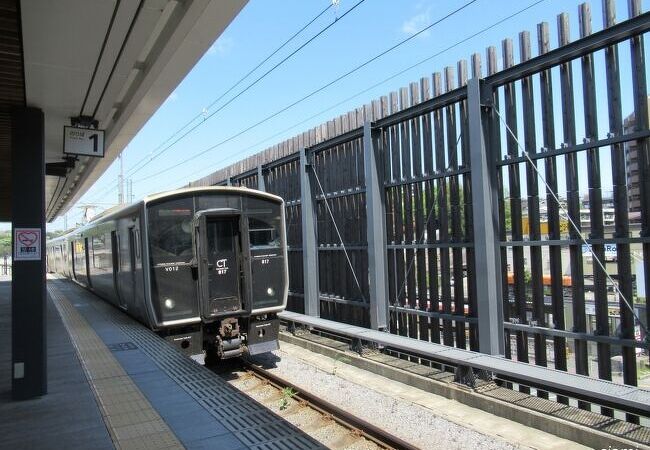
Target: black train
204 267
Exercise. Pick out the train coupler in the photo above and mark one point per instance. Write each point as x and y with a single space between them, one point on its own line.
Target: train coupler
228 341
229 348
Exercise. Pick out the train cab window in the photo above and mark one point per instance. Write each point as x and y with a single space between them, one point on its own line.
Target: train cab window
170 231
264 222
263 233
222 237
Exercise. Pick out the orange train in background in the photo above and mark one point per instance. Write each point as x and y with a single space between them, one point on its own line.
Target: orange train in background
546 279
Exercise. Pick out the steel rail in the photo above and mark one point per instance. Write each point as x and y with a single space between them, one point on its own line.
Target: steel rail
339 415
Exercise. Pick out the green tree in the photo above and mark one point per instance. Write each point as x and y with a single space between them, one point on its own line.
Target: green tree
54 234
5 243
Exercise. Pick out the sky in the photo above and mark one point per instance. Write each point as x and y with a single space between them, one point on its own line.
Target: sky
262 26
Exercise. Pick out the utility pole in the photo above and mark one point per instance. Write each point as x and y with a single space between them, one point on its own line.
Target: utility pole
120 183
129 190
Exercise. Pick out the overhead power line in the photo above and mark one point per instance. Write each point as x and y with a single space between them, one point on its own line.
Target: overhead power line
312 93
199 115
249 86
384 81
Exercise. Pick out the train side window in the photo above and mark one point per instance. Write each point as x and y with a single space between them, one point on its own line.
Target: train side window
80 255
98 246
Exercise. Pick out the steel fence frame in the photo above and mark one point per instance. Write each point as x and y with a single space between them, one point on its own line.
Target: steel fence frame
425 186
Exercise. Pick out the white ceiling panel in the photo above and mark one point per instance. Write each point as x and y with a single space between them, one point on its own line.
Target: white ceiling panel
149 48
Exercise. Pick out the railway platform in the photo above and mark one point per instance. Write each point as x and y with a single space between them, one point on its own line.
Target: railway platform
114 384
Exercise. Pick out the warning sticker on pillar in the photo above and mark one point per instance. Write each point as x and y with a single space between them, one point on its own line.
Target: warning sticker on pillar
27 244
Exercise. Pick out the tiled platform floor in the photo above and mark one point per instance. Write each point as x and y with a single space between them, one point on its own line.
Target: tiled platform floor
199 408
68 417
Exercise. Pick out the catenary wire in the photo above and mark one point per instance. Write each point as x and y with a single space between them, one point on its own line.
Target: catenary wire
395 75
311 94
249 86
373 86
385 80
199 115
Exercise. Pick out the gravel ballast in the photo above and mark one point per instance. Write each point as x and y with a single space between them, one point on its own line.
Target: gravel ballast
411 422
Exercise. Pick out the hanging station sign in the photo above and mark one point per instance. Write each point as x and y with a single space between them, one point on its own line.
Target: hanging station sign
83 141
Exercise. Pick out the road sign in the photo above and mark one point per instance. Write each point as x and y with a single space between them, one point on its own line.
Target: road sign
83 141
27 244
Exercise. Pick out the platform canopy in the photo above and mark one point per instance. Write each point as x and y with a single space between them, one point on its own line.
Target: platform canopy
112 60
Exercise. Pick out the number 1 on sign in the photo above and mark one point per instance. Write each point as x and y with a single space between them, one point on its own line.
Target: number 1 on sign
94 138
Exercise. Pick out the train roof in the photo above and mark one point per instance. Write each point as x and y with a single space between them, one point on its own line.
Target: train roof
118 209
182 191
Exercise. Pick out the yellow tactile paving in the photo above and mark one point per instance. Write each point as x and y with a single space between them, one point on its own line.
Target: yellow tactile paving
131 420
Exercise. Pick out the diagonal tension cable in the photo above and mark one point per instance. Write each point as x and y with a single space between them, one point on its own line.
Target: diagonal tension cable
347 256
572 222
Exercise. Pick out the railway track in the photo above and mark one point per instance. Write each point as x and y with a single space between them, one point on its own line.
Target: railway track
330 425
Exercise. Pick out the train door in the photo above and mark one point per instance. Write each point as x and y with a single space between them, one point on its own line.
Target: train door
127 268
115 251
87 255
67 264
132 251
221 264
73 267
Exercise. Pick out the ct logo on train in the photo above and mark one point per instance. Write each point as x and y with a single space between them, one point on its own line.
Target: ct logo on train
222 268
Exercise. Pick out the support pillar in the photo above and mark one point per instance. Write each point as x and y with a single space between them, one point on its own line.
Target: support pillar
28 290
376 231
309 238
486 222
261 185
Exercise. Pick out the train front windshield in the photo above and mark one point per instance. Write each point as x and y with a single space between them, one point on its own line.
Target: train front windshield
174 292
267 254
170 250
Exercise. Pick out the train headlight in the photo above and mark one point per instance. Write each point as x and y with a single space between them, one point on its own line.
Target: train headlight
270 292
169 303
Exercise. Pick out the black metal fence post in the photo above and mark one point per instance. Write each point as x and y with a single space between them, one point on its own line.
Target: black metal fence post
309 239
486 237
376 230
261 184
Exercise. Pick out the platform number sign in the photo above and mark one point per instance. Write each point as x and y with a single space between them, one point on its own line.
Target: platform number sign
83 141
27 244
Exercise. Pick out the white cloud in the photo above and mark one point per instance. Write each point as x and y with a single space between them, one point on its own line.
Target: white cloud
221 47
417 22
